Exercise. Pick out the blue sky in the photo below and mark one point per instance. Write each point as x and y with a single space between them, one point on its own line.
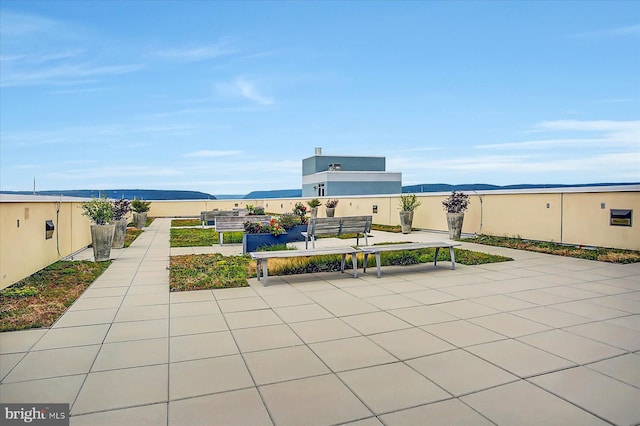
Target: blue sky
229 97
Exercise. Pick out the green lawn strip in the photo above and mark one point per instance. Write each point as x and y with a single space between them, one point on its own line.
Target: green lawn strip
597 253
205 271
186 222
40 299
131 235
386 228
198 237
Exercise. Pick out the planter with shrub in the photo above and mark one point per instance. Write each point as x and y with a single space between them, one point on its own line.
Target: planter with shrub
100 212
140 209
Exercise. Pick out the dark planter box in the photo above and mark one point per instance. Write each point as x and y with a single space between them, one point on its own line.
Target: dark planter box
251 242
295 233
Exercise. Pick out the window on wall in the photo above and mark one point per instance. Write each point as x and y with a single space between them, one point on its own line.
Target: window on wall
321 190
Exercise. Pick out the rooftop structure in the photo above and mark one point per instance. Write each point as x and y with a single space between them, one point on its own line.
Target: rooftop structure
334 175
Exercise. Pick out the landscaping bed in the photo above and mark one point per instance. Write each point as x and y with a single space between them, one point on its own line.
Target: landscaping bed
591 253
40 299
206 271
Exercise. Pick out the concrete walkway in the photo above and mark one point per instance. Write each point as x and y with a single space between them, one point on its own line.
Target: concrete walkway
541 340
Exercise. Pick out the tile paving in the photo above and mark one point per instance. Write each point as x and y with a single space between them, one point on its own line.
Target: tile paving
540 340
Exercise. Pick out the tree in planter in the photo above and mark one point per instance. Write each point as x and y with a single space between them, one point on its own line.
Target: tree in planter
100 211
121 208
331 207
408 203
140 209
455 205
314 203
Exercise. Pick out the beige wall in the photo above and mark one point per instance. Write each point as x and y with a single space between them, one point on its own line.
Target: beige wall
23 246
571 217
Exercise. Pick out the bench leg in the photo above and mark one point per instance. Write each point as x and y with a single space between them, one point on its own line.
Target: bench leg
258 269
344 257
220 237
435 258
378 263
265 272
364 265
453 258
354 260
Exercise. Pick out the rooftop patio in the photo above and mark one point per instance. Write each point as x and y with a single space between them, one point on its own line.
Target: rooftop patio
540 340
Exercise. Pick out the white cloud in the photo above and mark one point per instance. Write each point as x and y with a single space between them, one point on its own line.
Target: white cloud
609 134
629 30
211 153
200 53
63 74
248 90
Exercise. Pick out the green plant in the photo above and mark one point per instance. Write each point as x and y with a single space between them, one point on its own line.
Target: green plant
258 228
313 203
289 220
409 202
16 292
457 202
140 206
120 208
99 210
300 211
331 203
254 210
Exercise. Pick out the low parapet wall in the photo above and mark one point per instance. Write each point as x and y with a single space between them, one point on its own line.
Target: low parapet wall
578 216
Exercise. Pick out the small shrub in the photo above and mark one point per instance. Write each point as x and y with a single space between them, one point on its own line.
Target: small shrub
331 203
140 206
99 210
457 202
409 202
313 203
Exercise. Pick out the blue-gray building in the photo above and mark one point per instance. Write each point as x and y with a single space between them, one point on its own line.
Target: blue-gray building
331 175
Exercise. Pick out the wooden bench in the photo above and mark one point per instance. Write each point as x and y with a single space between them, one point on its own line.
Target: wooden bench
236 223
410 246
208 218
359 225
261 258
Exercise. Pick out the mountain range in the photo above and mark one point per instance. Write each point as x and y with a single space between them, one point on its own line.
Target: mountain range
155 194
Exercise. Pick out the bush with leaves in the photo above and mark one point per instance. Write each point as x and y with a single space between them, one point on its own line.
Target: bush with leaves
457 202
140 206
313 203
120 208
289 220
409 202
99 210
331 203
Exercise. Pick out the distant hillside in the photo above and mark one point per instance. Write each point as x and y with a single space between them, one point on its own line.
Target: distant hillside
278 193
143 194
443 187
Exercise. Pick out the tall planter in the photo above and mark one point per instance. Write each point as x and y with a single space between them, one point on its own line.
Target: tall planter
119 233
314 212
406 221
251 242
139 219
102 239
454 223
331 211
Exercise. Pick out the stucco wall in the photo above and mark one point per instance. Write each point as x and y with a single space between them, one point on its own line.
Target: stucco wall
569 217
23 246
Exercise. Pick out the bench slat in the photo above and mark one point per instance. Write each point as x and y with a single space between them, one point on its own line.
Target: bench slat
376 250
261 258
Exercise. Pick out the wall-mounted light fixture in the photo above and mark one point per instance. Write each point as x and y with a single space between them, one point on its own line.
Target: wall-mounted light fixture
375 208
48 229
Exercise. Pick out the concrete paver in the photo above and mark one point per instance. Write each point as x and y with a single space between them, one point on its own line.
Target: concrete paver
543 339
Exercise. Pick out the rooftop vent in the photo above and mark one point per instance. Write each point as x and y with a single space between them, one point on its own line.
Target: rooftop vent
318 151
335 167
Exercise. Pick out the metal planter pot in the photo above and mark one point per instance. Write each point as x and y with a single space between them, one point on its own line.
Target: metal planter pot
139 219
102 239
406 221
454 223
119 234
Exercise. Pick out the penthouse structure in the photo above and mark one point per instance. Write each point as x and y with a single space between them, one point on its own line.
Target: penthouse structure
333 175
